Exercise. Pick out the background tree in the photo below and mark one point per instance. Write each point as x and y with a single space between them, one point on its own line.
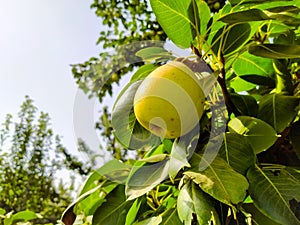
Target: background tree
31 160
253 49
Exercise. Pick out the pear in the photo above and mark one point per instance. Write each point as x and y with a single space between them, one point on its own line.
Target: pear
169 102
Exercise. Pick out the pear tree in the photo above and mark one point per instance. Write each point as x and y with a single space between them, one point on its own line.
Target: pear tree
216 131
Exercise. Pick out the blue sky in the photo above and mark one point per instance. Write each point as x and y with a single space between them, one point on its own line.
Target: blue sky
38 42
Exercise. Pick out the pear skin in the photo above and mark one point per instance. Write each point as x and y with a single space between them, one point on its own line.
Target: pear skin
169 102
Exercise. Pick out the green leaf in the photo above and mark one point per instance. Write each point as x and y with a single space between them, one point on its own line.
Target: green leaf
142 72
247 64
277 27
91 195
177 20
154 53
25 216
114 210
254 2
230 39
218 179
178 158
246 104
295 137
272 193
192 200
133 212
155 158
236 37
238 153
259 80
126 128
69 216
257 217
145 178
91 200
260 135
171 217
156 220
287 8
244 16
275 51
204 15
2 212
289 20
240 85
115 171
91 182
95 188
278 110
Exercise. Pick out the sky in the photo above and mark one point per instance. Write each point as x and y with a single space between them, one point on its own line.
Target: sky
38 42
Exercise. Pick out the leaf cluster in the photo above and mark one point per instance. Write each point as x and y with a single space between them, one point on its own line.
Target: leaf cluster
242 165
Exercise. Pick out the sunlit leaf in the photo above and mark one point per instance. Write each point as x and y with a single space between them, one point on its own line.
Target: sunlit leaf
133 211
142 72
247 64
204 15
260 135
153 53
177 20
273 191
218 179
240 85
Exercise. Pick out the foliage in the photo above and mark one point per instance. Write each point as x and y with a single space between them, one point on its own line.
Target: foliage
22 217
242 165
30 160
124 23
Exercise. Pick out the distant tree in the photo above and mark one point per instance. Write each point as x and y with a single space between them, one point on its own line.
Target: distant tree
31 157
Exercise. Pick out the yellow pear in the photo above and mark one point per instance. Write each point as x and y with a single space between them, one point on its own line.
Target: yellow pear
169 102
